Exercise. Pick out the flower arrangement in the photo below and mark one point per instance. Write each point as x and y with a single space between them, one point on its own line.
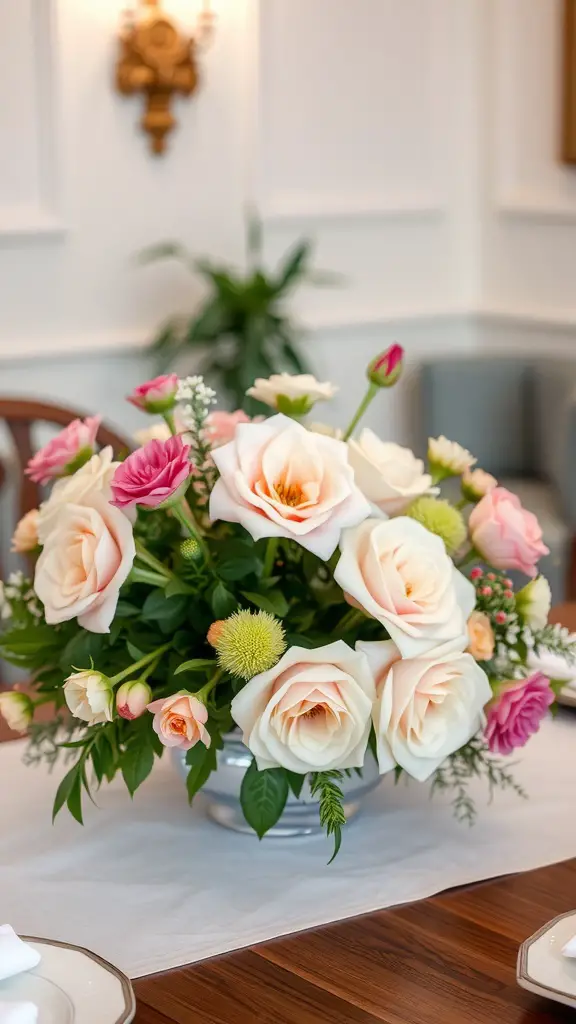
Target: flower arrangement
310 587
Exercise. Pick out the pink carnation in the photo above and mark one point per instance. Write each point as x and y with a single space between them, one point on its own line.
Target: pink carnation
515 715
505 534
157 395
221 426
66 452
152 475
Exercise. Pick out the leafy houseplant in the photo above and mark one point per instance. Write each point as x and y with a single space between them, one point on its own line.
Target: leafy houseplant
310 590
242 327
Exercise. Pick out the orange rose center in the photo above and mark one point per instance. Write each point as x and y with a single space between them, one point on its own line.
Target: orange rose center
178 725
289 494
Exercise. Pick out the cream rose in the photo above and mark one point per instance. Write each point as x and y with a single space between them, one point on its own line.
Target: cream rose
480 636
311 712
26 533
287 388
426 708
17 710
400 574
534 601
279 480
86 558
95 476
388 475
89 697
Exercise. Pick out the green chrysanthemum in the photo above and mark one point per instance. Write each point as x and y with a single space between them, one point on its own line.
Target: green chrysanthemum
190 550
249 642
441 518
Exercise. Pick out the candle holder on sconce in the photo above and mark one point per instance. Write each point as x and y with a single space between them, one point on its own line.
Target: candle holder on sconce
158 60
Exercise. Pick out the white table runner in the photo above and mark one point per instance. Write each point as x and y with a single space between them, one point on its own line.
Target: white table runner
151 884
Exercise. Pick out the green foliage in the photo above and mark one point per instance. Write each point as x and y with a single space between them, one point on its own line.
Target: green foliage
263 796
472 761
241 325
325 785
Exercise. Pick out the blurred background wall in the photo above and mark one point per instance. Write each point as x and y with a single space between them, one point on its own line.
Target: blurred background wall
416 140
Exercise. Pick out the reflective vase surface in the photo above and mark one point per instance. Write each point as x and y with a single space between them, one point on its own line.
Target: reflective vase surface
300 816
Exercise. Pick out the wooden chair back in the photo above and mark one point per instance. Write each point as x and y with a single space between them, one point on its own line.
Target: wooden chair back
20 416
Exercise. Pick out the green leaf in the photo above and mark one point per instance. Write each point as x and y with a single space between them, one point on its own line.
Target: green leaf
201 770
163 251
263 797
273 602
74 801
295 782
223 602
195 665
326 786
125 610
166 612
65 788
136 763
134 651
238 568
294 265
178 586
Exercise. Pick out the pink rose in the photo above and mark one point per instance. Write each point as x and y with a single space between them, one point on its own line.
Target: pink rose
133 698
153 475
279 480
516 713
505 534
157 395
220 427
66 452
180 721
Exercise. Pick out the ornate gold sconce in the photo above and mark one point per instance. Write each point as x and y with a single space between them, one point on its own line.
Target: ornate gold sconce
159 61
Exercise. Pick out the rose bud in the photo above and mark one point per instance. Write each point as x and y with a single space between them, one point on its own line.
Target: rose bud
17 710
132 698
385 370
157 395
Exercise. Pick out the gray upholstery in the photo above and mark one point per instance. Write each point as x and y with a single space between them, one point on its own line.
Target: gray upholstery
518 417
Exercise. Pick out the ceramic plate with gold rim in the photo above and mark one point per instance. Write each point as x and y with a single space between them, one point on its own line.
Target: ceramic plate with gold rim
72 986
543 969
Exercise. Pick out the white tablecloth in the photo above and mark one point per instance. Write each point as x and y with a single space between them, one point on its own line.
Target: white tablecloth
152 884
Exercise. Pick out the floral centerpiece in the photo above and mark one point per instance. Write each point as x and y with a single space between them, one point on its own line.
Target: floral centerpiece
307 586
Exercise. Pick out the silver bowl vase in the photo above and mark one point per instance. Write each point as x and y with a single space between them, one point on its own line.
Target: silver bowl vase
300 816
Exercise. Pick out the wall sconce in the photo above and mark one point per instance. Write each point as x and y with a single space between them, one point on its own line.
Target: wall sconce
159 61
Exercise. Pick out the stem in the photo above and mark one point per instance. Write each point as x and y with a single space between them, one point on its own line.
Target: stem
168 418
153 563
270 558
461 504
470 556
208 687
149 670
146 576
184 516
140 664
368 398
353 617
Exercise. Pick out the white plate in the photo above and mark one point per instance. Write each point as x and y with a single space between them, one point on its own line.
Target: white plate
541 967
72 986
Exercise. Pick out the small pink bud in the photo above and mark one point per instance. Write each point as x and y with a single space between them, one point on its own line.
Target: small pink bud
132 698
157 395
486 591
476 573
387 367
491 576
508 593
508 583
501 618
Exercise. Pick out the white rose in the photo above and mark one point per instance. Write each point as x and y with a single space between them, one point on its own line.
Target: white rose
326 429
17 710
301 388
89 696
95 476
534 601
448 457
400 574
387 474
426 708
86 558
279 480
311 712
156 432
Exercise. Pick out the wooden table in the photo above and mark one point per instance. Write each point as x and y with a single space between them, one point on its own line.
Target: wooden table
446 960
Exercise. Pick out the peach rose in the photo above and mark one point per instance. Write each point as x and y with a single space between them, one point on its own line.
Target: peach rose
279 480
311 712
505 534
481 636
180 721
426 708
26 533
86 558
399 573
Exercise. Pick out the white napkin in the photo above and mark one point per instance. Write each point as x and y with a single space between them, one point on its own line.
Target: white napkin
554 666
18 1013
570 948
15 956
